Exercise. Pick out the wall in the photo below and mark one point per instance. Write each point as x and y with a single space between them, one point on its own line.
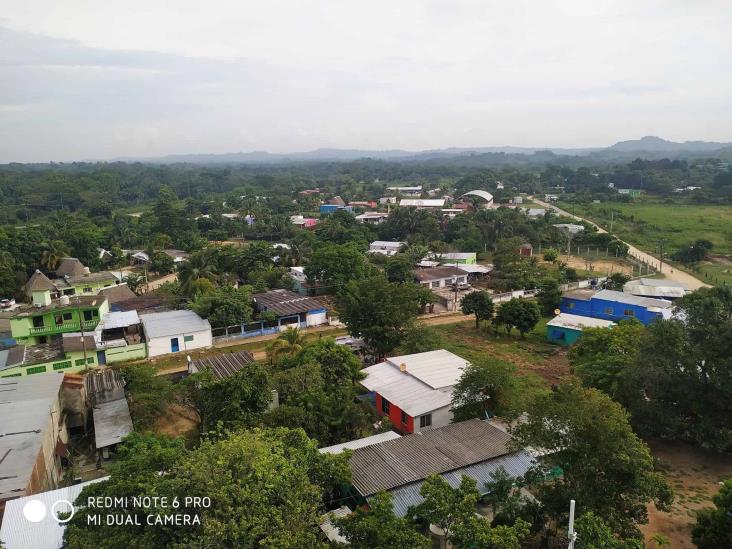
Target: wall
129 352
395 416
71 363
161 345
440 418
639 312
317 317
21 327
576 306
554 333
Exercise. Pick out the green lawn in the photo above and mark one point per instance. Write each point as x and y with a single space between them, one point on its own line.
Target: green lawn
647 221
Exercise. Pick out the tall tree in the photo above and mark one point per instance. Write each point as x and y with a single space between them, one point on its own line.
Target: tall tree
478 303
334 265
713 527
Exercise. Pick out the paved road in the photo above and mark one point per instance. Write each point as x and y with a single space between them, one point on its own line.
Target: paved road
668 270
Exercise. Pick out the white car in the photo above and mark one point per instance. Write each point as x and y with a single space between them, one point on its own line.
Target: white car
7 303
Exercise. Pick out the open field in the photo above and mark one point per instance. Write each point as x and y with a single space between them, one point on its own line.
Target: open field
694 475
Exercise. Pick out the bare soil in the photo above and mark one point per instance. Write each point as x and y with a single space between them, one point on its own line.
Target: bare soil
600 266
694 474
178 421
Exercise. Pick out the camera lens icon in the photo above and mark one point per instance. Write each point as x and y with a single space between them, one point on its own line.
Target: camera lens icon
35 511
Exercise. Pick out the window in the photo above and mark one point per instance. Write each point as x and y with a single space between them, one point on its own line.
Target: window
90 360
87 315
59 320
384 406
68 316
87 290
405 418
608 310
425 421
38 322
35 370
436 284
629 312
188 338
77 362
64 365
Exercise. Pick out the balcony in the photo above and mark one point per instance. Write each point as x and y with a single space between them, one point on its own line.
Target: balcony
66 327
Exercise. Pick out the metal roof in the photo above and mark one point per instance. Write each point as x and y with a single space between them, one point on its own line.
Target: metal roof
73 342
417 188
285 302
659 282
223 365
412 458
516 465
360 443
471 269
169 323
423 202
576 322
75 301
582 294
104 385
436 273
437 369
112 421
117 293
9 358
457 255
622 297
650 287
25 405
386 244
118 319
485 195
17 532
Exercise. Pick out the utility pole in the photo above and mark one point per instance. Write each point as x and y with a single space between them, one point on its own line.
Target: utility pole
81 329
571 534
612 218
661 244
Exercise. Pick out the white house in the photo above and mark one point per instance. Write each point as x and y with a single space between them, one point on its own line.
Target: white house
415 391
406 191
423 203
175 331
440 277
372 218
385 247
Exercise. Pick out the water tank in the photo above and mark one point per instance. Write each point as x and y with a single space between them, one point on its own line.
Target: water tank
64 300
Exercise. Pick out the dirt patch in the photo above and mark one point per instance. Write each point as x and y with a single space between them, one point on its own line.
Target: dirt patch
599 266
694 475
178 421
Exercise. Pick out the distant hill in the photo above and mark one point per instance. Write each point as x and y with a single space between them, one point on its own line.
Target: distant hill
647 147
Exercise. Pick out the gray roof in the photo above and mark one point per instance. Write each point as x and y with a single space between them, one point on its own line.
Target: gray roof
412 458
485 195
622 297
112 422
223 365
117 293
19 533
70 266
72 342
83 301
360 443
88 278
285 302
104 385
651 287
170 323
38 281
9 358
25 404
437 273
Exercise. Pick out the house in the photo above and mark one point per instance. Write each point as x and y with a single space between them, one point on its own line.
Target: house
551 197
223 365
117 294
337 201
330 208
17 532
461 258
474 271
174 331
291 309
653 287
34 436
119 337
473 448
177 255
385 247
526 250
440 277
362 204
303 222
112 421
535 212
303 285
372 218
415 391
388 200
565 329
422 204
615 306
406 191
308 192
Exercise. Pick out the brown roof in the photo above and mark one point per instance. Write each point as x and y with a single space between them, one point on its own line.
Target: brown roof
101 276
285 302
114 294
337 201
412 458
437 273
223 365
70 266
72 342
104 385
83 301
39 281
145 302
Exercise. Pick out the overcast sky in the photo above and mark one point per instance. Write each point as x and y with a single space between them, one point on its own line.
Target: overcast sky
91 79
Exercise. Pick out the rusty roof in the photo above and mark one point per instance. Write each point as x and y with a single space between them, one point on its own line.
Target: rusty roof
115 294
223 365
412 458
285 302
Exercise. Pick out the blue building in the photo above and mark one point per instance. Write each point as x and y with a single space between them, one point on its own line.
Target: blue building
330 208
614 306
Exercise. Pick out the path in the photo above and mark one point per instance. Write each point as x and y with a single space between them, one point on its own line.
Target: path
668 270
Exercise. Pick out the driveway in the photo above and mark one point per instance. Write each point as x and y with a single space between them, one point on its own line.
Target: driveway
668 270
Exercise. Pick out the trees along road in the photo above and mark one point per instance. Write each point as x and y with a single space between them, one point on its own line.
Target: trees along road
668 270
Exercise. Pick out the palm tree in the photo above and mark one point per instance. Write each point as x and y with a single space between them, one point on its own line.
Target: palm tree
198 266
288 343
54 252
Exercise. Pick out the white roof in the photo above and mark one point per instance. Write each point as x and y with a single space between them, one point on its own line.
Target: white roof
359 443
330 530
423 202
652 287
535 212
418 188
457 255
485 195
570 227
372 215
19 533
112 422
386 244
475 268
576 322
437 369
170 323
118 319
622 297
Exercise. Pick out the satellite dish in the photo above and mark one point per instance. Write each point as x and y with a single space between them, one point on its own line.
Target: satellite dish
556 311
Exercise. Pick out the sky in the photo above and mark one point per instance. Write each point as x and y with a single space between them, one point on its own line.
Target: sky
89 79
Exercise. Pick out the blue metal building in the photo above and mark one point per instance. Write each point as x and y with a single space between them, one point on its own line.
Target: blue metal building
615 306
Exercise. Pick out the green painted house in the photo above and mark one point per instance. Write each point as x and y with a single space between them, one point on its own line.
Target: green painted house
459 258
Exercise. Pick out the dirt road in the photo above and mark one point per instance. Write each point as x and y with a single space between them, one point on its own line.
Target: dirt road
668 271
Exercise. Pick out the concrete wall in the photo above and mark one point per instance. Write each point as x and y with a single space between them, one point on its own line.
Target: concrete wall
128 352
161 345
440 418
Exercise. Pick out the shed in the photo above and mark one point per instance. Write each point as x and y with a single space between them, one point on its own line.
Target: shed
565 328
654 287
222 365
291 308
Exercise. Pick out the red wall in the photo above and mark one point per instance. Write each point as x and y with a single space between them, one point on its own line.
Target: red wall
395 415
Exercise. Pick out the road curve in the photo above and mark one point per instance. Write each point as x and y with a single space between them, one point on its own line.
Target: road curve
668 270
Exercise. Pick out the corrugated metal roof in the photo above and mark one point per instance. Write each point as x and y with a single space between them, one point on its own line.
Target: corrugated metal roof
73 342
25 404
118 319
386 244
437 273
360 443
622 297
170 323
223 365
423 202
412 458
651 287
19 533
104 385
457 255
112 421
117 293
329 529
9 358
576 322
438 369
285 302
485 195
471 269
516 465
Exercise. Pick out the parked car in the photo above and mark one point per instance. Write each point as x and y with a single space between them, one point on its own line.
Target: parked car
462 286
7 303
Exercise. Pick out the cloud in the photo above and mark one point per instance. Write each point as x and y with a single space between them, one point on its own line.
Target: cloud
152 78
